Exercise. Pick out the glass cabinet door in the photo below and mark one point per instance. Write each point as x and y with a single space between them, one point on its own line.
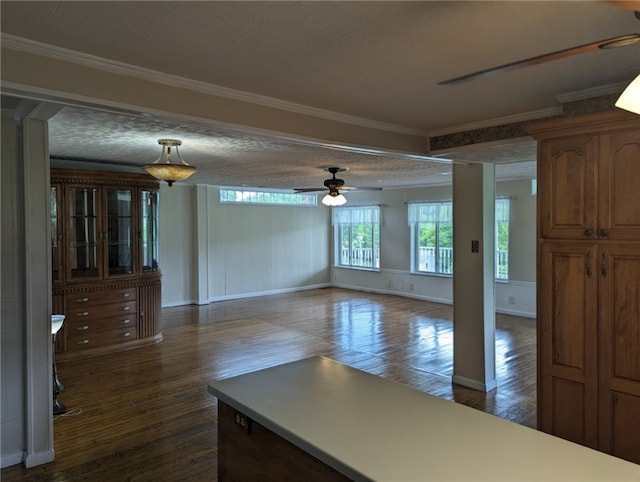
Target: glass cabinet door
83 233
119 231
149 230
56 233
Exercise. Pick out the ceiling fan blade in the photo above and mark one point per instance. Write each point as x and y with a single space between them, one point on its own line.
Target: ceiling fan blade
341 188
310 189
620 41
351 188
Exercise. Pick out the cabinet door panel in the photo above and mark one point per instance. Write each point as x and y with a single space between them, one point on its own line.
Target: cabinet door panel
568 410
619 184
623 426
149 235
567 357
83 234
149 308
120 254
619 348
56 207
567 169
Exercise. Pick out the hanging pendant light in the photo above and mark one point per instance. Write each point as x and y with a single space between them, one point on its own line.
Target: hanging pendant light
630 98
163 169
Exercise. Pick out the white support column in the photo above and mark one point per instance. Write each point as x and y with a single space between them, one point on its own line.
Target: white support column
473 276
37 268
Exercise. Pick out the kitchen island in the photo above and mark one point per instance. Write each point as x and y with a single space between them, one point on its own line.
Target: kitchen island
342 423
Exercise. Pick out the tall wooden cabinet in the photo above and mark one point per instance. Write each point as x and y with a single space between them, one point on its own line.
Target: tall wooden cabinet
589 280
105 272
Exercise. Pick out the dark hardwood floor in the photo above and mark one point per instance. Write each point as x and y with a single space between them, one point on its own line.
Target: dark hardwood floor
145 414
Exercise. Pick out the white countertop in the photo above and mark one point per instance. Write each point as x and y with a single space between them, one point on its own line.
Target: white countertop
369 428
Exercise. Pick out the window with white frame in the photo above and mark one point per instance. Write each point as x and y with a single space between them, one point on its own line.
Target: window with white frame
248 196
432 237
357 237
502 238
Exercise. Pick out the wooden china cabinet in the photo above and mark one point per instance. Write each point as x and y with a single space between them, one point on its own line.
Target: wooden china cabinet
589 281
105 273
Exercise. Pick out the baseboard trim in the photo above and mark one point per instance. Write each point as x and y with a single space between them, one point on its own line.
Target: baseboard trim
39 458
522 314
390 292
475 384
8 460
253 294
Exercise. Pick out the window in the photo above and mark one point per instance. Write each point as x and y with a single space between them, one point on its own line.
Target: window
357 237
502 239
432 226
432 237
267 197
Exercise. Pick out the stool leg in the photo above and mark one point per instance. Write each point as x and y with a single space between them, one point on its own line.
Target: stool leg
58 408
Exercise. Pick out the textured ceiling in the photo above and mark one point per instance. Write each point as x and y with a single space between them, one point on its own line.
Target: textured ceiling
376 62
232 158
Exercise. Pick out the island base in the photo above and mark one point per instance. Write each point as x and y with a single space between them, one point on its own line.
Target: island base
249 451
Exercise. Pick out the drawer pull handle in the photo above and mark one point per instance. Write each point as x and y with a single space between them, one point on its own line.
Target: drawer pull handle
125 308
82 342
83 313
82 300
126 322
124 335
126 295
82 328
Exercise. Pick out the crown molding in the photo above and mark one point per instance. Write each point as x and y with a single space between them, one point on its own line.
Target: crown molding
592 92
536 114
120 68
499 121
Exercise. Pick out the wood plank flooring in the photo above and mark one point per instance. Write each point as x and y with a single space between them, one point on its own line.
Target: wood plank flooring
145 414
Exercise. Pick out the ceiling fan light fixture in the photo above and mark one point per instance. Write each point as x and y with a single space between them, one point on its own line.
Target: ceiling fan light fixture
630 98
334 199
163 169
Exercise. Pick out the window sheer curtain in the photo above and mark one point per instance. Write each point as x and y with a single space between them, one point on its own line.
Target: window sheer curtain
356 215
502 210
430 212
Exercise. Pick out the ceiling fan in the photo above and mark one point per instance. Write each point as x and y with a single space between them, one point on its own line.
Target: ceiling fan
610 43
334 185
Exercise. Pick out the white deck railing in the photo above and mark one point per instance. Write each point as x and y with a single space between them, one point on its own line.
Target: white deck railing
429 259
364 257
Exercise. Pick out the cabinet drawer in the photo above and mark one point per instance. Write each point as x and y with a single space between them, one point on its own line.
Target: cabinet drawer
77 328
102 311
80 341
93 298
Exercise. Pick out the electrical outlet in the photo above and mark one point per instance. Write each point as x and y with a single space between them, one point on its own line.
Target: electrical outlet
512 300
243 421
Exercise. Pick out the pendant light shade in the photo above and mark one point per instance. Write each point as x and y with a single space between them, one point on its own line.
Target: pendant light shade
163 169
334 198
630 98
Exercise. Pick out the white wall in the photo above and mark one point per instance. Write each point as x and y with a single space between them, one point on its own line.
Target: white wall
211 251
516 296
177 244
